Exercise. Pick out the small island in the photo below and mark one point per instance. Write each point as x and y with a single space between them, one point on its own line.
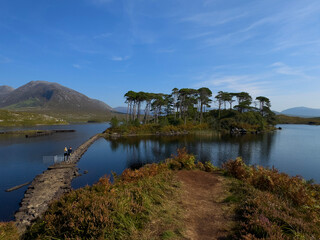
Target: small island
186 110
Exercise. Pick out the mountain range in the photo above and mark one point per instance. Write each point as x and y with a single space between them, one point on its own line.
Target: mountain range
42 96
302 112
125 109
4 90
50 97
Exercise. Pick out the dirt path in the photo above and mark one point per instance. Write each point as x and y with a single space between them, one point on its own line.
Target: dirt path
206 216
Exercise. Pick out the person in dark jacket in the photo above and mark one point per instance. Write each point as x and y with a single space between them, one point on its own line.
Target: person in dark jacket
69 151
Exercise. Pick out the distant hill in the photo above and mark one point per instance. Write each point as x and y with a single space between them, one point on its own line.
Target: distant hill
49 97
302 112
4 90
276 112
124 110
120 109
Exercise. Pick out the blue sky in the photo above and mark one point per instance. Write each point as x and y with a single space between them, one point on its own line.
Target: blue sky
103 48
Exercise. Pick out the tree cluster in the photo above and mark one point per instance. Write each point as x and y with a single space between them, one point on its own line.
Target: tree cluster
182 103
190 104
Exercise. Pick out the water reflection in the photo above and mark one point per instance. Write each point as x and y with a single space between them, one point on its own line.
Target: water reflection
294 150
207 147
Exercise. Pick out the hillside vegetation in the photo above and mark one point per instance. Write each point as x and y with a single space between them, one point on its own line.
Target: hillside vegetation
284 119
10 118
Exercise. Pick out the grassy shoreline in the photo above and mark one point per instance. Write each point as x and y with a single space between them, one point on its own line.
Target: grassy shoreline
144 204
154 129
128 130
283 119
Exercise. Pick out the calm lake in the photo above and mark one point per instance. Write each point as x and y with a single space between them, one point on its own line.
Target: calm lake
295 150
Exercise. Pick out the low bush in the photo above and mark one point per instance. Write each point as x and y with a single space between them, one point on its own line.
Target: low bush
106 211
119 210
151 128
8 231
274 205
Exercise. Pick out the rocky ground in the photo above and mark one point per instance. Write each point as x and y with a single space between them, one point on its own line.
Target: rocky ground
48 186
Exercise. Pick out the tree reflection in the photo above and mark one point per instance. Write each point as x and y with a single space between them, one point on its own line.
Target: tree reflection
138 151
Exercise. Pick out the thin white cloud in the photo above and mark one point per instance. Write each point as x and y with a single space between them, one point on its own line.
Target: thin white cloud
286 43
236 83
76 66
284 69
103 36
166 50
200 35
214 18
118 58
99 2
231 38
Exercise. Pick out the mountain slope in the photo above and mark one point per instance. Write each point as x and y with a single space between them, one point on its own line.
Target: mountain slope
120 109
4 90
8 118
52 97
124 110
302 112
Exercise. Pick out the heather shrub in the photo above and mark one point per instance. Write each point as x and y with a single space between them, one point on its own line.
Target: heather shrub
265 215
200 166
293 188
153 128
208 167
183 160
8 231
274 205
173 164
170 128
118 210
236 168
105 210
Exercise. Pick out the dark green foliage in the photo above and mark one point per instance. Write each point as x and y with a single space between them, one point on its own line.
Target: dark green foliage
250 120
114 122
187 105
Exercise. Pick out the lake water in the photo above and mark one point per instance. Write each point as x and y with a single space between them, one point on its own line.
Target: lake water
294 150
21 159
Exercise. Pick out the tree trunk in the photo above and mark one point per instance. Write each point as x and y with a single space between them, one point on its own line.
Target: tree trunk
127 117
138 113
130 111
201 115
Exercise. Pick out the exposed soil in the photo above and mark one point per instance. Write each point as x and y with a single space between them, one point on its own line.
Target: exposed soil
206 215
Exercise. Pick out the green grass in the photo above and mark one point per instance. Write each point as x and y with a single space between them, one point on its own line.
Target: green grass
273 205
168 235
8 231
283 119
151 129
30 103
139 205
10 118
